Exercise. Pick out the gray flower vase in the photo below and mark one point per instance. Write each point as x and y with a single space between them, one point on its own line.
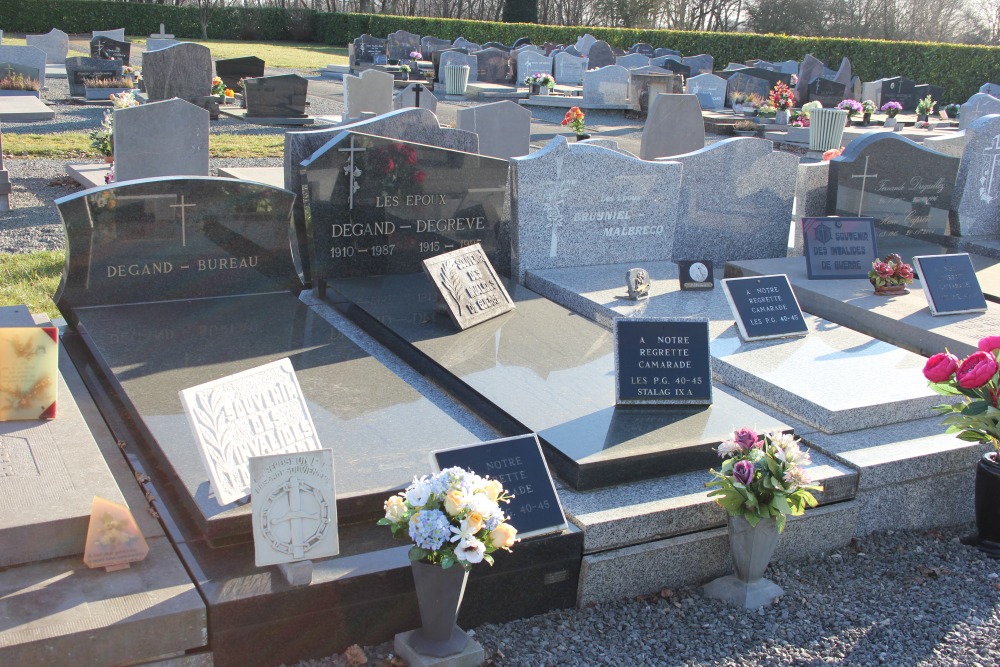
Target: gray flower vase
751 548
439 596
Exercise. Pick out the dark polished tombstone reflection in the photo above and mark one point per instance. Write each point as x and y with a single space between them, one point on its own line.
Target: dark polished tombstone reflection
282 96
231 70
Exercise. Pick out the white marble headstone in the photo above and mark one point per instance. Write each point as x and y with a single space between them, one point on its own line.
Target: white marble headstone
370 91
256 412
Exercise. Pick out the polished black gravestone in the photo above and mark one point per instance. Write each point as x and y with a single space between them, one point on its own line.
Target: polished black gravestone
839 247
376 206
105 48
152 311
922 90
950 284
764 307
368 48
231 70
282 96
899 89
827 92
79 69
662 362
545 369
904 186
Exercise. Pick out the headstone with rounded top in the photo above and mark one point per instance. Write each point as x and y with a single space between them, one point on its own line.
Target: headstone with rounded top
55 44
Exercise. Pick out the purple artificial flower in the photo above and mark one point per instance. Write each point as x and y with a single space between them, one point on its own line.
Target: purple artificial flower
743 472
746 439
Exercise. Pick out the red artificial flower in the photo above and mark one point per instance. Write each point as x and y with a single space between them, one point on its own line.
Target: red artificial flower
977 369
940 367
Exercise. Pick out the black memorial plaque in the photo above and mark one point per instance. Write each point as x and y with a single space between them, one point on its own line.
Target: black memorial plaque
695 274
839 247
231 70
518 464
950 284
764 307
662 362
105 48
379 206
282 96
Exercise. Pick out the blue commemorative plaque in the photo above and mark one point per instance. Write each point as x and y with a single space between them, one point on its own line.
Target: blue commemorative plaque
662 362
950 284
764 307
839 247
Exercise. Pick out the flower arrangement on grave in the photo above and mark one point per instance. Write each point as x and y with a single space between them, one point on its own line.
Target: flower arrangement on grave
123 100
976 418
952 110
925 106
101 137
396 165
453 517
229 92
574 119
782 97
18 82
890 272
762 477
404 68
868 107
767 110
128 70
416 55
109 177
809 106
799 119
891 108
851 107
218 86
832 153
539 79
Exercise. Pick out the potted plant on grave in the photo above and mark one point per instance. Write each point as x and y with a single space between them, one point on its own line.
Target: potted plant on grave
574 119
767 111
890 276
218 88
17 85
540 83
798 119
976 418
746 128
782 99
752 104
851 107
890 109
739 100
867 109
137 81
761 481
101 88
102 137
455 521
925 108
952 110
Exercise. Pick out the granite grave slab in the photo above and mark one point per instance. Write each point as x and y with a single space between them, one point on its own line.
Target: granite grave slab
491 65
599 54
429 44
368 48
183 70
673 126
166 138
55 44
827 92
569 69
401 44
605 86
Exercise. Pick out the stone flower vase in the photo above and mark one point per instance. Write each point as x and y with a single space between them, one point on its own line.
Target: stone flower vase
866 120
751 548
781 117
439 595
582 137
988 505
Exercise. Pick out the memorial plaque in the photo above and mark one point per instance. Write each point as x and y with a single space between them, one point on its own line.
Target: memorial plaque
469 285
662 362
764 307
695 274
29 374
950 284
518 464
294 507
382 206
105 48
255 412
839 247
113 537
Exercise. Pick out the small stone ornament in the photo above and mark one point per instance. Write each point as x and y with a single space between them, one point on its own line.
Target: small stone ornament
637 282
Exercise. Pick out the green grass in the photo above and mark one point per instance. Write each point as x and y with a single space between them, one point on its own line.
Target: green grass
76 144
31 279
293 55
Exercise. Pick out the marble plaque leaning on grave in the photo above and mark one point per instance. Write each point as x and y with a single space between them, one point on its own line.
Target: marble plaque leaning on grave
469 286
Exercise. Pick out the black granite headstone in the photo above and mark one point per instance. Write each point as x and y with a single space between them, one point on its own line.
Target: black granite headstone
764 307
282 96
643 48
380 206
950 284
674 66
936 92
367 48
827 92
518 464
491 65
904 186
753 80
105 48
839 247
899 89
79 69
659 53
231 70
662 362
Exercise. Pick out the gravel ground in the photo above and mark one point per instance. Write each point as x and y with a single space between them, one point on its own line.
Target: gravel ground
898 598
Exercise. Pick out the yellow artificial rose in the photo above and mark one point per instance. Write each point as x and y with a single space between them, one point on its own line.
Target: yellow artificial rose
474 522
453 502
492 488
395 508
503 536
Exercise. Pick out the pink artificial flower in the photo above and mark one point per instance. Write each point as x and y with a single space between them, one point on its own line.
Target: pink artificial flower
940 367
990 343
976 370
746 439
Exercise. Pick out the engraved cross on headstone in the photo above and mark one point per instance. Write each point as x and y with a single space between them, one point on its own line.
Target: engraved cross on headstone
294 517
864 178
183 206
352 171
992 155
9 71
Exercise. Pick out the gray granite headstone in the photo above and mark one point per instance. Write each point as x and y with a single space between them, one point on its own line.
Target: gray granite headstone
975 107
736 201
990 89
827 92
952 144
600 55
661 61
632 60
872 90
429 45
843 75
401 43
117 34
899 89
569 69
531 62
584 43
673 126
811 69
28 56
183 71
906 187
491 66
409 97
666 52
732 67
700 64
607 85
157 44
110 49
788 67
710 84
573 51
747 83
504 128
463 43
55 44
459 58
166 138
563 216
977 188
78 69
371 91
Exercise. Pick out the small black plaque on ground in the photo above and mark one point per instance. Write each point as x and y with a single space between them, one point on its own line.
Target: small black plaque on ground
950 284
764 307
662 362
469 285
839 248
518 464
695 274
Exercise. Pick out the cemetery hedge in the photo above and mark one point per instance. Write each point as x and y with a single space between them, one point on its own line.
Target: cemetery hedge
959 68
